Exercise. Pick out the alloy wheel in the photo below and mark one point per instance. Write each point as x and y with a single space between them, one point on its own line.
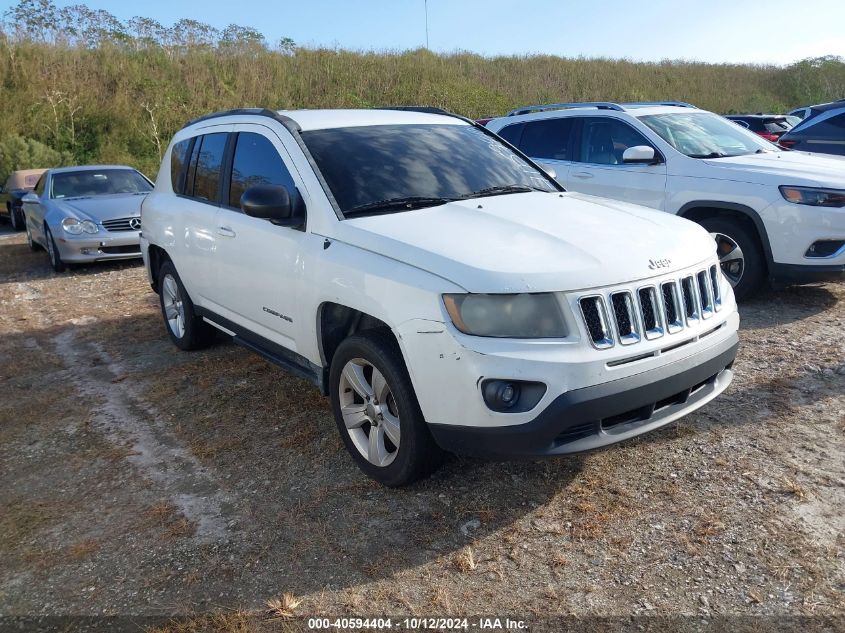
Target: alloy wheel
369 412
174 309
731 258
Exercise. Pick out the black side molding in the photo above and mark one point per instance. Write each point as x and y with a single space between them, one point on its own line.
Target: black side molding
273 352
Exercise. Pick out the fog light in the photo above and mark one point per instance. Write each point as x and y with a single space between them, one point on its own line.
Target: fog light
511 396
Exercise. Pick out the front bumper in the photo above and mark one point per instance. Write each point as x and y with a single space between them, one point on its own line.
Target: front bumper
596 416
792 229
806 273
77 249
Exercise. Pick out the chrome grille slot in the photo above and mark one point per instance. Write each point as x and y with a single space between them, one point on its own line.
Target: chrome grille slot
692 311
705 293
715 273
595 317
118 224
672 307
627 326
630 315
650 312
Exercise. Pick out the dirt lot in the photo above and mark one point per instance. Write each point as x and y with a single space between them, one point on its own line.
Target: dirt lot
136 479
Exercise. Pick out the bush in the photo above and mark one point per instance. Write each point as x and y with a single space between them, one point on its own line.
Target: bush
17 152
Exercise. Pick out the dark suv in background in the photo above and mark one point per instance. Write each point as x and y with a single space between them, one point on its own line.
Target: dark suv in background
823 131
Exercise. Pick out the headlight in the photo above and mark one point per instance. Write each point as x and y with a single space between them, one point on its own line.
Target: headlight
507 316
814 196
75 227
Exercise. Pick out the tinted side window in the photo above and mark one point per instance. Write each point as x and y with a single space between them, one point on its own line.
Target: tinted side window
256 162
209 163
39 187
603 141
548 138
512 133
178 157
188 185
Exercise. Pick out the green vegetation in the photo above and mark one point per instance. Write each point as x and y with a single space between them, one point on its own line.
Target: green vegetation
99 90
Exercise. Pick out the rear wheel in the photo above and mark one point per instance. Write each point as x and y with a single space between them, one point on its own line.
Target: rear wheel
186 329
740 256
377 412
53 251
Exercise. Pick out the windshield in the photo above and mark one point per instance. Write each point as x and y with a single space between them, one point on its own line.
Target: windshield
705 135
369 167
90 182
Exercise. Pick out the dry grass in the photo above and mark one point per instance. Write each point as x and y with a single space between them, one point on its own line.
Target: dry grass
283 607
792 488
465 560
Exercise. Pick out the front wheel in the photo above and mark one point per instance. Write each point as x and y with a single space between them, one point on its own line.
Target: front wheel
53 251
186 329
377 412
14 219
740 256
29 241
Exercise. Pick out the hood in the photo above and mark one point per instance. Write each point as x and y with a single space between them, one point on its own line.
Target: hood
99 208
783 168
533 241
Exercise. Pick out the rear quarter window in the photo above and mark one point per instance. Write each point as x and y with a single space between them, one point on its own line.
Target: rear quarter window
178 158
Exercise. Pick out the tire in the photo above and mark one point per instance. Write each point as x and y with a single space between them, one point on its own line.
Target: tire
33 245
740 255
186 329
356 361
53 251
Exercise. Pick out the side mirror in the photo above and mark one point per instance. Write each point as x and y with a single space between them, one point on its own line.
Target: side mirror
31 197
270 202
638 154
548 169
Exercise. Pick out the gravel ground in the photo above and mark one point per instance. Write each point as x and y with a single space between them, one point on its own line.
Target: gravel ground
139 480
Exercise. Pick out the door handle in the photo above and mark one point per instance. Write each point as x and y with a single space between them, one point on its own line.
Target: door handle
583 175
225 231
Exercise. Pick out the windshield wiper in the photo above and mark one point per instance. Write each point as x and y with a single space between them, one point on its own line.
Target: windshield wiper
396 204
499 189
710 155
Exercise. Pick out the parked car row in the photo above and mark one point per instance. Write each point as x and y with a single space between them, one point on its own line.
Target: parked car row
774 214
556 281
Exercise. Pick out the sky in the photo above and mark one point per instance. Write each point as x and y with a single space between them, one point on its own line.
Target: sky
741 31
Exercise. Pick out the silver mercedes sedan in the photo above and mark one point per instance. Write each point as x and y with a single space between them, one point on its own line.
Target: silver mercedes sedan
86 214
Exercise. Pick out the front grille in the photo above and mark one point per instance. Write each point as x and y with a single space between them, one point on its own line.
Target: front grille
650 312
119 224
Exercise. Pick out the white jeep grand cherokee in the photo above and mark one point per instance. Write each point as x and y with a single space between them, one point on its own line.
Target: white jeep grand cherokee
444 291
774 213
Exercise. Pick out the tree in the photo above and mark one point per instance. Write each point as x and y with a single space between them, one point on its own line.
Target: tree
238 39
189 33
32 19
286 46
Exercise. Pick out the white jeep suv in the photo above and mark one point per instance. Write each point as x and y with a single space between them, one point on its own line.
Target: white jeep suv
774 213
443 290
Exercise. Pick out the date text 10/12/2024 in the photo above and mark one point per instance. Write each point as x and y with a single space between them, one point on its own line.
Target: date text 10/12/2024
418 624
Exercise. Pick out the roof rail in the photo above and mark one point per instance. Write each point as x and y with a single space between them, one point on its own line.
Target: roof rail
677 104
600 105
424 109
289 123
